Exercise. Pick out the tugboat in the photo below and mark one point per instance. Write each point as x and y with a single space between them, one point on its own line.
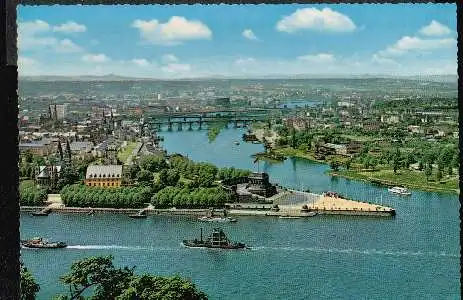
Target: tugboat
217 239
217 219
42 244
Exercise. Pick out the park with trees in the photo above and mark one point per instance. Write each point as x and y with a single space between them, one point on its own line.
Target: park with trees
173 182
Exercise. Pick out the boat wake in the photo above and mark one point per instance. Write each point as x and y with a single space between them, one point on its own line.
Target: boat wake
118 247
358 251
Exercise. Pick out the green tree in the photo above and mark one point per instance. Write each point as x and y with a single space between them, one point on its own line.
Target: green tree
144 177
438 175
29 288
335 164
153 163
428 171
100 273
132 171
148 287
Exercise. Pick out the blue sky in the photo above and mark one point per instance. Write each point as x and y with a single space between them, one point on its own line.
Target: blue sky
174 41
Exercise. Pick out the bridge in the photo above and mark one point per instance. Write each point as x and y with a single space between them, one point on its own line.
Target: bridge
200 122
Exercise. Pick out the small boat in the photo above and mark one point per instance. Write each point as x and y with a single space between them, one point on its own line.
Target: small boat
217 219
217 239
237 143
42 244
399 190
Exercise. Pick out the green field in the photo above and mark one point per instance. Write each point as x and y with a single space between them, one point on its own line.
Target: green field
125 153
408 178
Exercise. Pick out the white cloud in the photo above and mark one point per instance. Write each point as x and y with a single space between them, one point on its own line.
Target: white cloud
35 35
378 59
409 44
169 58
435 29
70 27
318 58
245 61
249 34
66 46
315 19
176 68
141 62
24 61
96 58
173 32
32 27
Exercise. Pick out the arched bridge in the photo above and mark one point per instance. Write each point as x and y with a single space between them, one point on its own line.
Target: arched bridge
200 121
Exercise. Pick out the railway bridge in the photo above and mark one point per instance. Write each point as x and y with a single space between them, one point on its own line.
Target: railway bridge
201 121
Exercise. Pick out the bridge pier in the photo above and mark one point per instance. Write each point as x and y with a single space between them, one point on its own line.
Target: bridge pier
169 126
190 125
235 123
200 125
180 126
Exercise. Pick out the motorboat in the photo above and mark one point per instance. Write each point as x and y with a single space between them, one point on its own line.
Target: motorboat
217 239
217 219
40 243
399 190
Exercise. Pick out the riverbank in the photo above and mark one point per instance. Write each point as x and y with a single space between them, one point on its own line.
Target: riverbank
399 180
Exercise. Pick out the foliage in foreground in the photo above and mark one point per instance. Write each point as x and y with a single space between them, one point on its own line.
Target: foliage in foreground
29 288
99 275
31 195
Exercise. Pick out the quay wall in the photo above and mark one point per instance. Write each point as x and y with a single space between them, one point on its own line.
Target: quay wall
128 211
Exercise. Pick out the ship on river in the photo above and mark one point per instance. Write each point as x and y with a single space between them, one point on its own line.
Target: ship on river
217 239
40 243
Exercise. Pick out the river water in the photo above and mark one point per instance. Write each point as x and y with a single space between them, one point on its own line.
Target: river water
412 256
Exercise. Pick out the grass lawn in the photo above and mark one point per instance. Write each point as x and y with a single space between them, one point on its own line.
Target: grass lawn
360 138
297 153
124 154
409 178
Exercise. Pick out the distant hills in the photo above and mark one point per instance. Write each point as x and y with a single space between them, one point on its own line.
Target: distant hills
114 77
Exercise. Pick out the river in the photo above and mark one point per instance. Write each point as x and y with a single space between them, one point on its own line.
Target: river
414 255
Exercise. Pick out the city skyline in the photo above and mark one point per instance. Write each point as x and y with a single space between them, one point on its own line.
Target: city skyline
168 42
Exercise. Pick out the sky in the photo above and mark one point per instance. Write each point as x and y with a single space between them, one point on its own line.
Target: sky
187 41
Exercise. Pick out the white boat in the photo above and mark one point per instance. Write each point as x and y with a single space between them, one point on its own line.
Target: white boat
399 190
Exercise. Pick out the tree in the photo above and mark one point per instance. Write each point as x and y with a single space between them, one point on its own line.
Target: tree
99 272
110 282
144 176
29 288
133 170
438 175
153 163
169 288
335 164
428 171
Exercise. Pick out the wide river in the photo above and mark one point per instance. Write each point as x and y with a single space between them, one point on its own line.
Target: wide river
414 255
